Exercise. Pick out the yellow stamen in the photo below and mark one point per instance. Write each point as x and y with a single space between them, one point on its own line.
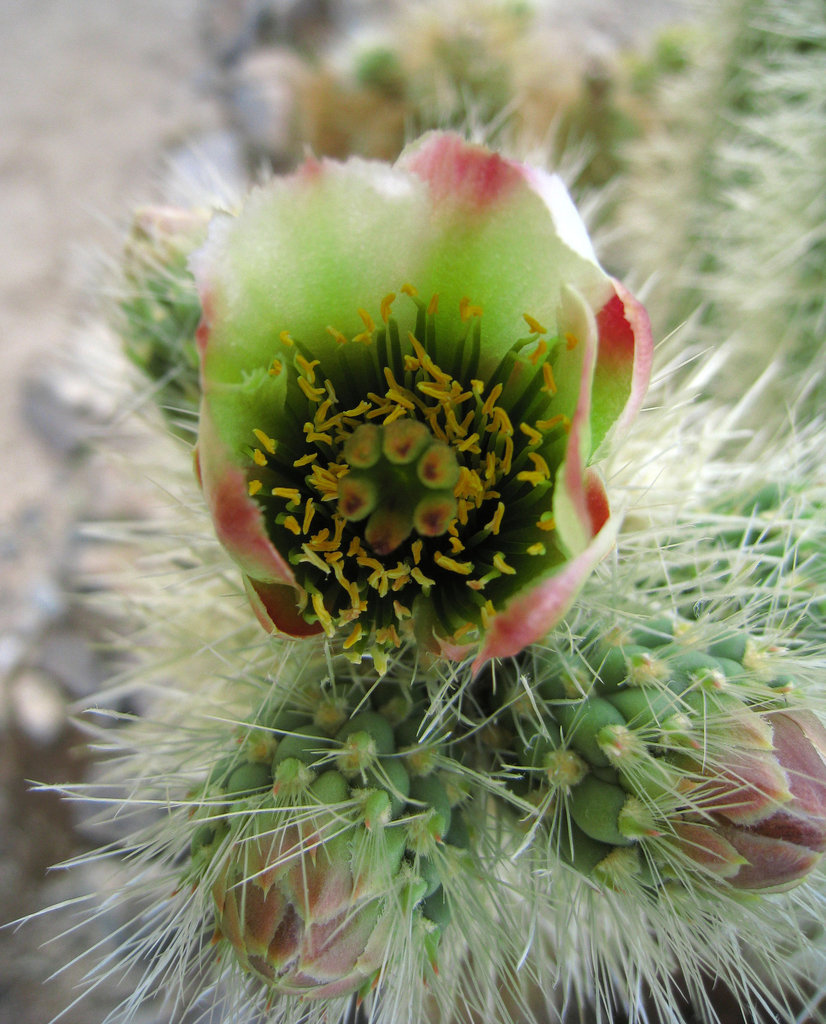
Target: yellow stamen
503 567
307 366
305 460
365 337
309 512
488 613
337 335
292 524
368 320
534 437
259 458
416 551
254 487
286 339
496 520
470 444
290 493
535 326
276 368
324 616
314 559
466 310
539 351
490 401
386 304
546 522
425 582
358 410
433 305
267 441
501 422
408 289
540 464
477 386
571 341
354 637
549 387
312 393
507 458
445 562
401 610
555 421
456 546
463 630
537 549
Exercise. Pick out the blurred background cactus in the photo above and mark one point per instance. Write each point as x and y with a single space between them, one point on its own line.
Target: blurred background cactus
591 868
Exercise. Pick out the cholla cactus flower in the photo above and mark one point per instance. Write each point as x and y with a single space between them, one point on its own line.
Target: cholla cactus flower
407 373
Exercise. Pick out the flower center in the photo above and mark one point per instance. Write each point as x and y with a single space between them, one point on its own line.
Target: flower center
399 472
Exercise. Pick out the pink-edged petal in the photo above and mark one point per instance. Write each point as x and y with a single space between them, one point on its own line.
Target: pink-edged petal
623 370
276 606
239 524
800 746
772 863
529 616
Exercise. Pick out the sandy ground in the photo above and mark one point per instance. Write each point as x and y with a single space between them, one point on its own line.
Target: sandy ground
92 93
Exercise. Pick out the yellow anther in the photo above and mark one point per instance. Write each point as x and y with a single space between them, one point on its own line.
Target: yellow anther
259 458
488 612
399 397
571 341
307 366
501 422
267 441
401 610
467 310
416 551
507 458
555 421
530 476
477 386
433 305
290 493
463 630
537 549
367 319
534 437
324 617
433 390
534 325
549 387
354 637
425 582
386 304
546 522
305 460
456 546
254 487
539 351
408 289
540 464
276 368
446 562
355 548
331 557
292 524
411 363
286 339
314 435
503 567
380 660
469 485
313 558
496 520
358 410
365 337
396 413
388 634
336 334
470 444
490 401
312 393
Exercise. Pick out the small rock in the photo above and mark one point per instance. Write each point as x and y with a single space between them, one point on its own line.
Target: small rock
37 706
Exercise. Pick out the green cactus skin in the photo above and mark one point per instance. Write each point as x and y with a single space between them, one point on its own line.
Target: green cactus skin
662 766
324 853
